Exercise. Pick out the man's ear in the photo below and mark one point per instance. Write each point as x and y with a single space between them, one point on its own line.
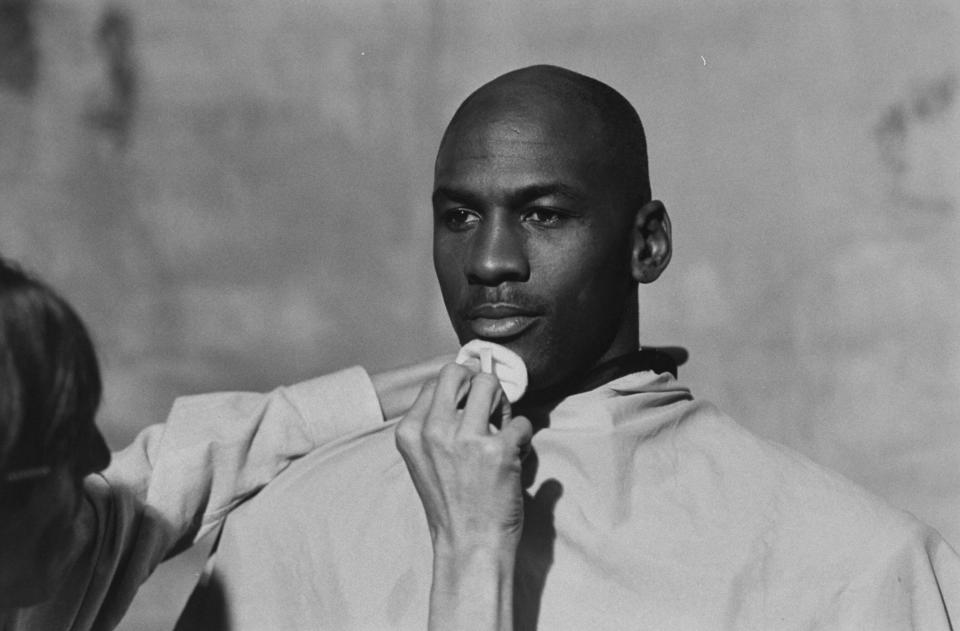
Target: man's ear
652 245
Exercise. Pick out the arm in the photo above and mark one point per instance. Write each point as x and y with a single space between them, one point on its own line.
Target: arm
178 480
473 589
468 477
215 450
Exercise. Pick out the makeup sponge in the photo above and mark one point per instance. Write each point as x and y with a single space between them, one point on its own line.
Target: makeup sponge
500 361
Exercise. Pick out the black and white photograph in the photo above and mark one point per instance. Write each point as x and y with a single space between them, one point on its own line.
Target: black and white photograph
495 315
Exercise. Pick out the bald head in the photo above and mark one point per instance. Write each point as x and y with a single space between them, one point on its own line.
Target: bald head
569 104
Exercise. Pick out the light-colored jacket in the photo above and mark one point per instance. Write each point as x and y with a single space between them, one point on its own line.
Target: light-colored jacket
177 481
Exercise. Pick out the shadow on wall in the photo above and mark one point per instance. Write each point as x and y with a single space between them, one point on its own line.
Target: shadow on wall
19 57
919 179
113 114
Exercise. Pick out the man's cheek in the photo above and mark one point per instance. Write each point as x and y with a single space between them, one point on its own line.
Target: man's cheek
449 291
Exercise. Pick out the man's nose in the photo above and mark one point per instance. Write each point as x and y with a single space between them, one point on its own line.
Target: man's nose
497 253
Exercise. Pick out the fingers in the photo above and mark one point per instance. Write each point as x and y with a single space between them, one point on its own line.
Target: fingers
409 428
421 405
434 412
518 431
397 389
502 411
472 363
441 419
485 395
452 385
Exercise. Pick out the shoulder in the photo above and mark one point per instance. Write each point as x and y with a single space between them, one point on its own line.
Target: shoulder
796 526
807 500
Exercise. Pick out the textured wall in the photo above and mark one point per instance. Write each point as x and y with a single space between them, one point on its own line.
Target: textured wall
235 195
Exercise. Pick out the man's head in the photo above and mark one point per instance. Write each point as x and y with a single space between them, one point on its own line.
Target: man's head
49 393
543 220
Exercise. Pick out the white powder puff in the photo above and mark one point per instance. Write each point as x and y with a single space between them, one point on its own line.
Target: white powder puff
500 361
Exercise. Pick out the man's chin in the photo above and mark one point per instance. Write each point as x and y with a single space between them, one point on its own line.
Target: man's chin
541 372
528 342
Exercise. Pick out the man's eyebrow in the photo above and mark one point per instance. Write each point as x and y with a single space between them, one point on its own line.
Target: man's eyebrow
456 195
523 195
536 191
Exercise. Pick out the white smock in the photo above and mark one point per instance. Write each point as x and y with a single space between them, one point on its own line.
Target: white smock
646 510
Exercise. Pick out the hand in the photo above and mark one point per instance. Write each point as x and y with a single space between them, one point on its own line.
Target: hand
468 477
397 389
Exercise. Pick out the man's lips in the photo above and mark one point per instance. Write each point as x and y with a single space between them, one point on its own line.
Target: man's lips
500 320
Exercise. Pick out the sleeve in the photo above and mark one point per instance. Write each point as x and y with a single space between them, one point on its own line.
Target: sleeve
178 480
916 586
215 450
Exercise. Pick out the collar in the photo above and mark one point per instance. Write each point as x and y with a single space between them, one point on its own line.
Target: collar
640 360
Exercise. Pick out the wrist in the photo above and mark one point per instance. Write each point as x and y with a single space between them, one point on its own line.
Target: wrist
487 554
489 547
472 588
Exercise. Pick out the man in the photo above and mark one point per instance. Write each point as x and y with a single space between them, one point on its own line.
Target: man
634 506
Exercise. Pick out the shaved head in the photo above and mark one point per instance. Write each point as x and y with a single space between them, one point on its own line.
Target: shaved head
572 103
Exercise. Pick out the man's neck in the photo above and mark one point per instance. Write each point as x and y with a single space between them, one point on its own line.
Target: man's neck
604 372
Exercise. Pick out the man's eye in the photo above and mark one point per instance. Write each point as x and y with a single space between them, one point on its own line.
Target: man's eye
544 216
460 218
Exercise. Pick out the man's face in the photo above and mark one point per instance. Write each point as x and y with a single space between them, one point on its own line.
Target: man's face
532 239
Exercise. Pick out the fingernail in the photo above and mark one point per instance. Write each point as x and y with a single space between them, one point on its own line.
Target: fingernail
486 361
